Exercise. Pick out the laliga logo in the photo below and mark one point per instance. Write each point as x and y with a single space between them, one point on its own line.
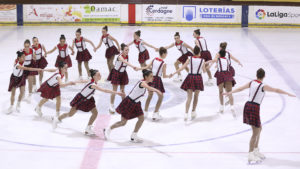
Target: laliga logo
260 14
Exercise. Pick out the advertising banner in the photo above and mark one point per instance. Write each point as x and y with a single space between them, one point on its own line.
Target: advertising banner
159 13
274 15
72 13
211 14
8 13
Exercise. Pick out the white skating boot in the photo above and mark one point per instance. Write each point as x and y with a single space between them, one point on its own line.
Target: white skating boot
18 107
221 110
34 89
252 159
259 154
40 82
38 110
178 78
28 99
10 109
89 131
233 111
55 121
193 115
156 116
112 109
145 114
209 82
57 114
106 133
135 139
186 117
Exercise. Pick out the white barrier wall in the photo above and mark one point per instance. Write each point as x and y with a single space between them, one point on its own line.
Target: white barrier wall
8 14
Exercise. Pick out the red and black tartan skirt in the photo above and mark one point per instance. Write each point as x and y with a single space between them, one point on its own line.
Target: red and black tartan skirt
251 114
33 64
66 59
157 84
184 57
129 109
111 51
206 55
82 103
49 92
16 81
118 78
231 70
193 82
41 63
143 56
83 56
223 77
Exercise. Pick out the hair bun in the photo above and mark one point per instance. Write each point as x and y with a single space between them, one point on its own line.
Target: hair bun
144 71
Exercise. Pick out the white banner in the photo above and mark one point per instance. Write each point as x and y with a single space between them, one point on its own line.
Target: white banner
8 13
274 14
159 13
72 13
211 14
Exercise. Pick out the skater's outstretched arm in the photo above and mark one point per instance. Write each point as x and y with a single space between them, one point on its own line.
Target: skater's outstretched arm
236 60
147 44
73 44
71 50
108 91
99 45
130 43
44 49
181 68
115 40
188 46
245 86
164 71
146 67
170 46
277 90
29 68
61 84
51 51
149 88
90 42
124 61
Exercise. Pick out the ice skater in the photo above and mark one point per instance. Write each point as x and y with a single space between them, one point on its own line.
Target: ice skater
131 108
40 59
83 54
205 53
118 76
183 48
85 101
251 114
140 45
230 57
63 54
111 49
193 83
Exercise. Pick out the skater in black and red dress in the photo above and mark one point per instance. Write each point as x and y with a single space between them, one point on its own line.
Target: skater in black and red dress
131 107
193 83
83 54
111 49
183 48
40 54
50 89
85 101
30 62
159 68
140 45
63 54
18 80
224 79
251 114
118 76
205 53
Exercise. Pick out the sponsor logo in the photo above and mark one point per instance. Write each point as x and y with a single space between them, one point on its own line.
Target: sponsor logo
217 13
260 14
89 9
189 12
151 10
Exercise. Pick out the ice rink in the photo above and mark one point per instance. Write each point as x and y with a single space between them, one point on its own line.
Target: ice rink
212 140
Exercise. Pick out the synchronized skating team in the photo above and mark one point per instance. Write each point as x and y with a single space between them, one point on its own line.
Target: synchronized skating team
31 61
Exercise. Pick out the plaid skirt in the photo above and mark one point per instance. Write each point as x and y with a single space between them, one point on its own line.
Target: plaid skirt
118 78
111 51
41 63
82 103
129 109
223 77
184 57
83 56
143 56
16 82
49 92
66 59
194 82
33 64
157 84
251 114
206 55
231 70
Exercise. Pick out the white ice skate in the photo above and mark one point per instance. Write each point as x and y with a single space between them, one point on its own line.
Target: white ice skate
34 89
57 114
89 131
221 110
18 107
145 114
185 117
28 99
135 139
38 110
209 82
233 111
178 79
112 109
252 159
106 133
10 109
156 116
55 121
259 154
193 115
